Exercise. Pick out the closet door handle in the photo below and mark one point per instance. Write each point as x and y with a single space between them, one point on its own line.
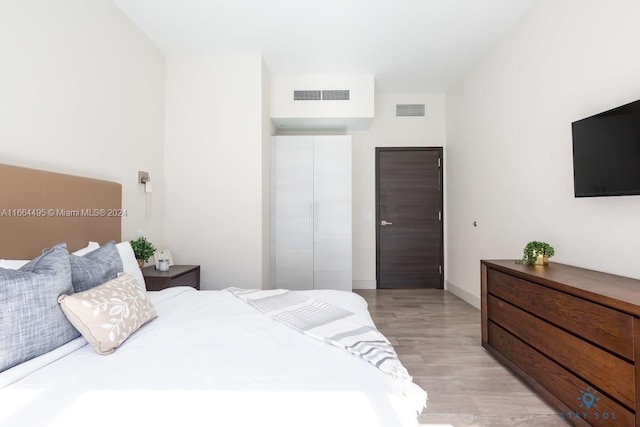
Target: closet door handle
310 216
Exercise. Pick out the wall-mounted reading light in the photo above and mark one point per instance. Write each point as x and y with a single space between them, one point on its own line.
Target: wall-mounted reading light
143 178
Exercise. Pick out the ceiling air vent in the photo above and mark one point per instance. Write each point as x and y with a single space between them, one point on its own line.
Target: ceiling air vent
335 95
306 95
409 110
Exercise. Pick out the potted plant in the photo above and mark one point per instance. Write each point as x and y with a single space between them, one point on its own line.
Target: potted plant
537 253
142 249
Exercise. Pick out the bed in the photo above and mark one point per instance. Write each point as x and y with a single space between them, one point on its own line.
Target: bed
205 358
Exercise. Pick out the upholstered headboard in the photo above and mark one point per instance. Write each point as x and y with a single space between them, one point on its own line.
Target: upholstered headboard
39 209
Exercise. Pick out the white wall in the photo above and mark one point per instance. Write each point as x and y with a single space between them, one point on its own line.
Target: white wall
387 130
214 167
81 92
509 149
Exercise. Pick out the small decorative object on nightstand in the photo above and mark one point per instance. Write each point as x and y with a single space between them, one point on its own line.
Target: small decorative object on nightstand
163 265
178 275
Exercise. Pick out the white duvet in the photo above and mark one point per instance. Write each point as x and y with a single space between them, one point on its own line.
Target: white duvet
209 359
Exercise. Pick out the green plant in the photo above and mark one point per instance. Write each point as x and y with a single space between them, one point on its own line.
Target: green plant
535 249
142 248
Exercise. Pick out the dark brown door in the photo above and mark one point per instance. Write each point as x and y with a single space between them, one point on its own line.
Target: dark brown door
409 217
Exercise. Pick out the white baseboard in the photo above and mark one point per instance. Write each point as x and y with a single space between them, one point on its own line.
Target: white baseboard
467 297
363 284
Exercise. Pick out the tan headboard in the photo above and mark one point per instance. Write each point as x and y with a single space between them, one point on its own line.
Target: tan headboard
39 209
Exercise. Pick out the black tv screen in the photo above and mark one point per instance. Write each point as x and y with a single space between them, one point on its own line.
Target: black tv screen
606 153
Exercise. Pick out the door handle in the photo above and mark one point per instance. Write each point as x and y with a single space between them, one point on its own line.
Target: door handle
385 223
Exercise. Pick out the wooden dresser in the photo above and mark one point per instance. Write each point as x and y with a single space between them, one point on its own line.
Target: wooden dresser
572 334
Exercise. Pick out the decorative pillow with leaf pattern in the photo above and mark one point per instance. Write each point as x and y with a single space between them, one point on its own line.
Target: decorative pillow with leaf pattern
109 313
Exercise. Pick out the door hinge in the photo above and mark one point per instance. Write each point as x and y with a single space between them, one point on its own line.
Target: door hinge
439 215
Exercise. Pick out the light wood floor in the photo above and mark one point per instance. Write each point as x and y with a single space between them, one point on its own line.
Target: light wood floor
437 337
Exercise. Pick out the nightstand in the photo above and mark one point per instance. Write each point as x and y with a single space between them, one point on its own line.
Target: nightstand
178 275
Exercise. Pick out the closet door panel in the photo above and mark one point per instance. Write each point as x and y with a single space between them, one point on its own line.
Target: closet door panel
332 212
294 212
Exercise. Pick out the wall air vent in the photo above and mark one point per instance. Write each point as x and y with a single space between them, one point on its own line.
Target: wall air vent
318 95
335 95
306 95
409 110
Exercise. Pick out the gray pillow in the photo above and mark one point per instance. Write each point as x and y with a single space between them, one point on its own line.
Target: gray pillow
95 268
31 321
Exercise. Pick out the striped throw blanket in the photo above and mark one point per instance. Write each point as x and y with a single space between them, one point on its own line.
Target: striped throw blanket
335 326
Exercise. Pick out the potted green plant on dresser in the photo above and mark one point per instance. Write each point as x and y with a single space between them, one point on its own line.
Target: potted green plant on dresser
537 253
142 249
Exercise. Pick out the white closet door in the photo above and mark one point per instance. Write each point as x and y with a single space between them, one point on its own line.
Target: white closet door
332 212
294 218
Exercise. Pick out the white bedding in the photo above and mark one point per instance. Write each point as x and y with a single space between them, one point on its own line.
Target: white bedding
209 359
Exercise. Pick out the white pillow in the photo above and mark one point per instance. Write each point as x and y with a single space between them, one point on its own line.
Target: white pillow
130 263
12 264
15 264
92 246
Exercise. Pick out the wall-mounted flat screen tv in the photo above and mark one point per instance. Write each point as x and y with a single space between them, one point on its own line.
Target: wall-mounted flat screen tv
606 153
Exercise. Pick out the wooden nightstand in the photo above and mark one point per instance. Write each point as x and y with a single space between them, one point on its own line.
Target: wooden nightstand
178 275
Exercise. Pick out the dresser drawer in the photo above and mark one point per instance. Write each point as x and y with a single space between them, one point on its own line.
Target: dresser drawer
601 325
605 371
565 386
